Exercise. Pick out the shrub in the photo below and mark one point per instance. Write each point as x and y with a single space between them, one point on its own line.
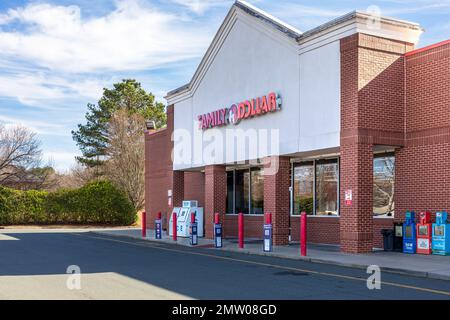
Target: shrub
98 202
305 204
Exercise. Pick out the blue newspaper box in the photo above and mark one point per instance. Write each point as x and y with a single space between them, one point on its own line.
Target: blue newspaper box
218 235
194 234
158 229
441 236
267 247
409 233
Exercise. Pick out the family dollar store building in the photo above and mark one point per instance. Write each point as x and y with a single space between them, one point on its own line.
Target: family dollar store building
347 121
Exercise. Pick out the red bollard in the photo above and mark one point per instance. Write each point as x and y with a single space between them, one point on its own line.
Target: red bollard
159 216
303 234
241 230
268 218
144 224
174 226
216 218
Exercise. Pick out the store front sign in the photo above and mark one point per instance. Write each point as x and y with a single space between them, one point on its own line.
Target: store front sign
243 110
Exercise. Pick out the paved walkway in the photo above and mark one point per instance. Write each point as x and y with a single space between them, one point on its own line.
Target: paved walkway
432 266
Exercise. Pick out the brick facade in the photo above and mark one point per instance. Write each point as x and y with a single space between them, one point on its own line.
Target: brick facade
215 196
423 166
160 177
158 171
253 226
390 96
277 181
324 230
372 113
194 187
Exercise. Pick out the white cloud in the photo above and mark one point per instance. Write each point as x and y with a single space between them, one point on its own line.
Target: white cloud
201 6
47 91
37 126
134 36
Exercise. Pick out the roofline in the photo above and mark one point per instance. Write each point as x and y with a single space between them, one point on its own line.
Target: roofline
293 33
178 90
287 29
357 14
432 46
260 14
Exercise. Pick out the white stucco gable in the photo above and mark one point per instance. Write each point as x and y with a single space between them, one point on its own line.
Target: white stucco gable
250 58
254 54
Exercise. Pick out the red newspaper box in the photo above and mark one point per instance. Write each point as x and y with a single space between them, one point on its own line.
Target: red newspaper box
424 233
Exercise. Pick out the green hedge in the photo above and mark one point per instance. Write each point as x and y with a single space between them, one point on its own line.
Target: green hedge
96 203
304 204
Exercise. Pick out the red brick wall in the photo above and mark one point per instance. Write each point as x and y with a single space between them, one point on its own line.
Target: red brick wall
423 166
326 230
372 89
253 226
276 196
356 223
372 95
215 196
158 170
160 177
319 229
194 187
427 91
387 98
378 225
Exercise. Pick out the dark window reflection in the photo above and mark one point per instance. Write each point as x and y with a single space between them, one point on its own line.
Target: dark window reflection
304 188
257 191
230 191
242 191
327 174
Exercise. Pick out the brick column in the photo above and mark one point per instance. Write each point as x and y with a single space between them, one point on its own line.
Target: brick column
178 188
215 196
356 221
372 113
277 181
177 179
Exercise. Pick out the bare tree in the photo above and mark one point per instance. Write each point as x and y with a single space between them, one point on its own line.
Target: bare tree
125 164
79 175
19 152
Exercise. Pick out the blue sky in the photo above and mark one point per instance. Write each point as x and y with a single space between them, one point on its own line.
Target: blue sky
57 55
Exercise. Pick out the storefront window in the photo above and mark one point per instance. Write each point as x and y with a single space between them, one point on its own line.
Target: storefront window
327 175
245 191
257 191
303 188
230 191
242 191
383 185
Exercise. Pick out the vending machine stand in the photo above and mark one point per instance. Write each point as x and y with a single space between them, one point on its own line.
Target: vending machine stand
409 233
441 235
424 233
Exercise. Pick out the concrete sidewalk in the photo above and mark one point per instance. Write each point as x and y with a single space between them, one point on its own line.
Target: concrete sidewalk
432 266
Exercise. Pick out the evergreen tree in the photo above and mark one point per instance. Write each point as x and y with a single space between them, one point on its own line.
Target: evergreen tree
92 138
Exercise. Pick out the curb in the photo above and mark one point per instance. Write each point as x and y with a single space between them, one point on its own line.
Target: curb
398 271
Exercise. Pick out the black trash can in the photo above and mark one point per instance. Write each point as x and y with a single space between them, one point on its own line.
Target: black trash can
388 239
398 236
